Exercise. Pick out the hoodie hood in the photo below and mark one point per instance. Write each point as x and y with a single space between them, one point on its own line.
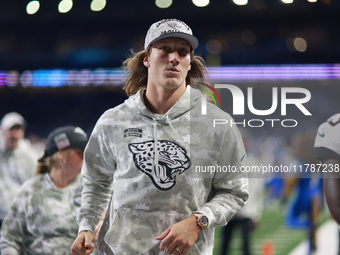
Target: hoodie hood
190 98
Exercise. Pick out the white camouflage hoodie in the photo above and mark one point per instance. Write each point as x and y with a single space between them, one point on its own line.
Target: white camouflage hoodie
156 186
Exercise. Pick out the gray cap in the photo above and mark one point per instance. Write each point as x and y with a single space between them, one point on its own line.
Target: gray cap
170 28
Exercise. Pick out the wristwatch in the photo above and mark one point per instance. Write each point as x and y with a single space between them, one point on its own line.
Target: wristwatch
202 220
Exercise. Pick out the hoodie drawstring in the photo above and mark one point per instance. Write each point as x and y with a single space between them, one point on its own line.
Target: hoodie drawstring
172 127
193 161
155 146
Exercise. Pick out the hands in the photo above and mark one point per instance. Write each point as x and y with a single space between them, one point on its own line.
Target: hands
83 244
179 237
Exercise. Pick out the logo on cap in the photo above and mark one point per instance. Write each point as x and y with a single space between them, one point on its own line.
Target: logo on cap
174 25
62 141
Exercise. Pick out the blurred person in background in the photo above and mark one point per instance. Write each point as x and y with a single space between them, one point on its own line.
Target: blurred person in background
42 218
17 159
327 152
248 217
303 191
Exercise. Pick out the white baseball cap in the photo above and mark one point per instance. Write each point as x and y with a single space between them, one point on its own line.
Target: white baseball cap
170 28
12 119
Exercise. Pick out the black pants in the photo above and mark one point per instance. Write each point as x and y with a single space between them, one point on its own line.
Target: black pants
246 228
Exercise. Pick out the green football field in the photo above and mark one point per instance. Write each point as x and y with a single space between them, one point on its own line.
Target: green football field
271 231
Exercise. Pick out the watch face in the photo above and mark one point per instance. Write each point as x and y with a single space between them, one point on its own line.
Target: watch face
204 221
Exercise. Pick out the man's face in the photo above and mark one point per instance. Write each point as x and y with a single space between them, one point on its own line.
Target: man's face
168 63
74 159
12 136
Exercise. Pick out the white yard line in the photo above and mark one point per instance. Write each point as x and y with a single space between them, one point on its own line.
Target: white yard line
327 241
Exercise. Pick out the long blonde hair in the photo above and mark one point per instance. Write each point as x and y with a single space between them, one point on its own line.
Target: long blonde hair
46 165
138 73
